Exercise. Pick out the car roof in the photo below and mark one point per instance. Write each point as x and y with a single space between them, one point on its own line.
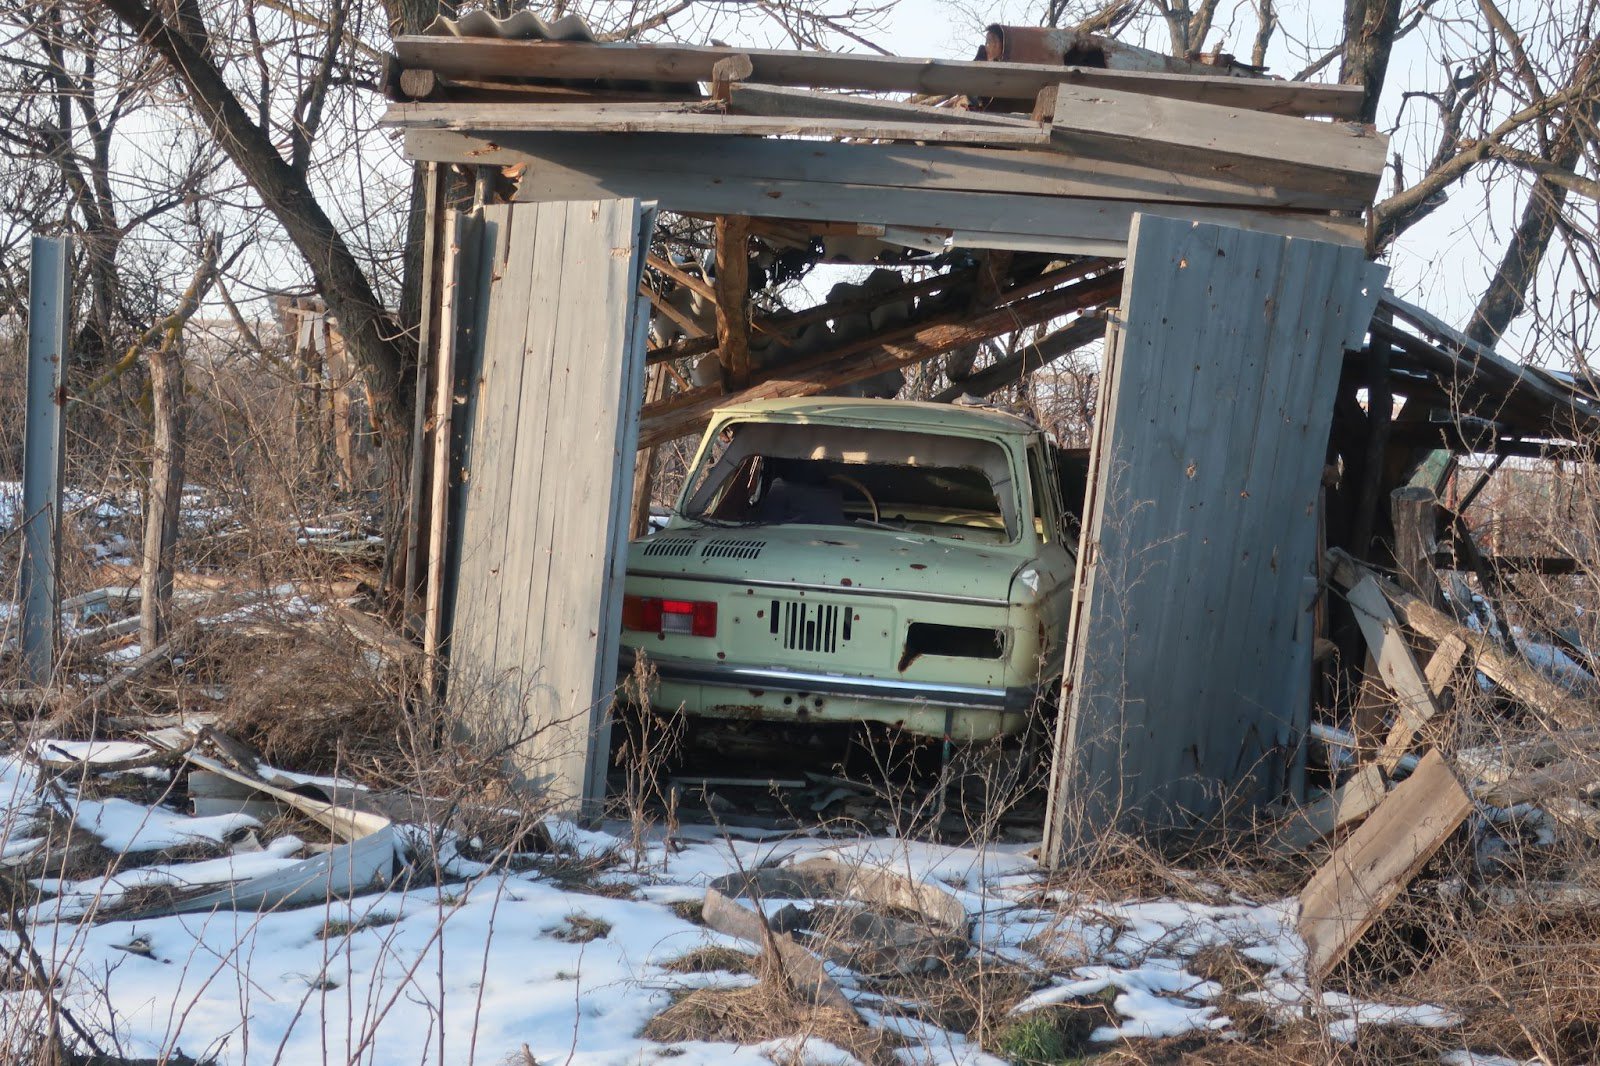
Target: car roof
906 413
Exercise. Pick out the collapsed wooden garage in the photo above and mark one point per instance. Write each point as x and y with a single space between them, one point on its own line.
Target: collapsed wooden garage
1208 224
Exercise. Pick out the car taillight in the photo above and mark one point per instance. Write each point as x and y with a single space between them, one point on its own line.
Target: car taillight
648 614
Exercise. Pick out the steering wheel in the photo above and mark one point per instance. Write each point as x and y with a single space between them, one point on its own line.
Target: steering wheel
866 493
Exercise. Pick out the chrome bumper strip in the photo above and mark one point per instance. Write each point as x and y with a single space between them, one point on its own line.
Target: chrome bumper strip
975 697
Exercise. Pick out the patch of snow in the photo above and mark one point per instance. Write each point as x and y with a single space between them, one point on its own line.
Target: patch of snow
130 827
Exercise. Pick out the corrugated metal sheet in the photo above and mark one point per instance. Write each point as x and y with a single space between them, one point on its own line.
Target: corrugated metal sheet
546 461
1191 641
524 25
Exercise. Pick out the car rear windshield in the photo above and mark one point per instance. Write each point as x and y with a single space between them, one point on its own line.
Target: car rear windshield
769 473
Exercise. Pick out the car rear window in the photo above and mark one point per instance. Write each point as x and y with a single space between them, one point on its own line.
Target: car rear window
766 473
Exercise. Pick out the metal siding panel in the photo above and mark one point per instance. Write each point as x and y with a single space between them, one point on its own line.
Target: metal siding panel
1190 656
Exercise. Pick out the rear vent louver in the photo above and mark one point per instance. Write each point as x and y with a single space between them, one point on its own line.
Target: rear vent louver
675 547
732 549
810 626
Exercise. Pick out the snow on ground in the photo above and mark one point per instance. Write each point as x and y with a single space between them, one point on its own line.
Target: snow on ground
472 971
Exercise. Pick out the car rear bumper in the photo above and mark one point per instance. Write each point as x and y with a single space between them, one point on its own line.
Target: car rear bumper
770 679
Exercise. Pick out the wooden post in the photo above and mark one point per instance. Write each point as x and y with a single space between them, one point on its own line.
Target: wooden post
733 298
1415 512
1380 413
165 494
339 379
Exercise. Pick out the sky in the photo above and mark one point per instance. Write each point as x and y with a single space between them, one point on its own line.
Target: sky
1444 262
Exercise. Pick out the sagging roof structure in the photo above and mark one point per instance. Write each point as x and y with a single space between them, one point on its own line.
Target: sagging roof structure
1019 189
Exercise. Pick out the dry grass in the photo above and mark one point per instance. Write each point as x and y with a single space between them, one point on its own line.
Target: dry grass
761 1012
311 699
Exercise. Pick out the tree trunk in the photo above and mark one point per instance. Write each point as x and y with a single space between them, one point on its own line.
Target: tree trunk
371 333
1369 29
164 498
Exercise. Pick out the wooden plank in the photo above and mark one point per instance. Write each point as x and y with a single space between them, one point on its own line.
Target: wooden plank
1272 95
1443 663
721 161
539 596
1511 673
690 119
1351 801
684 64
1414 511
1198 545
1370 869
776 102
1414 702
1206 139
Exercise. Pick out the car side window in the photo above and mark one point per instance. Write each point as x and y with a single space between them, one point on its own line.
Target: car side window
1044 509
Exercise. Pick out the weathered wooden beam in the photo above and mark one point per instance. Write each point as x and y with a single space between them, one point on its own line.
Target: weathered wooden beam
684 322
644 467
776 102
1370 869
1206 139
1351 801
1520 680
690 118
1086 329
1414 511
1415 705
581 167
879 353
733 298
726 159
685 64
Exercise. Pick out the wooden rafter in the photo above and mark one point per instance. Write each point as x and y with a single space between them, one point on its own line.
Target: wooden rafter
1029 304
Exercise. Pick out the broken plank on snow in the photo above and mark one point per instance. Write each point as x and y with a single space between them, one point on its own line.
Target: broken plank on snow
1370 869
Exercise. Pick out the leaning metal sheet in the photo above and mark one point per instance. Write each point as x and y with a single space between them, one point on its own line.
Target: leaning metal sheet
1188 684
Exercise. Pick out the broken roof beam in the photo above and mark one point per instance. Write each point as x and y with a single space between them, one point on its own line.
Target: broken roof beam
1511 673
689 64
1342 158
882 352
1086 329
694 118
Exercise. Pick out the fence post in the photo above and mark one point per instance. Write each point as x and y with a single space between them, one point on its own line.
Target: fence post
49 308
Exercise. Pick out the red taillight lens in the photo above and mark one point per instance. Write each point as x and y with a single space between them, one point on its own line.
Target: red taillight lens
647 614
641 613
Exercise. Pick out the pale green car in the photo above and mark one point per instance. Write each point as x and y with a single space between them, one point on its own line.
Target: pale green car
842 560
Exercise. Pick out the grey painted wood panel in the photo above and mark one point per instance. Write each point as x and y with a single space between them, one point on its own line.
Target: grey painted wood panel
542 525
595 168
1189 677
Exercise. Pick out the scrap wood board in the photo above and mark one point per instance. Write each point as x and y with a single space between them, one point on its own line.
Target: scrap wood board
1199 533
551 375
1370 869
